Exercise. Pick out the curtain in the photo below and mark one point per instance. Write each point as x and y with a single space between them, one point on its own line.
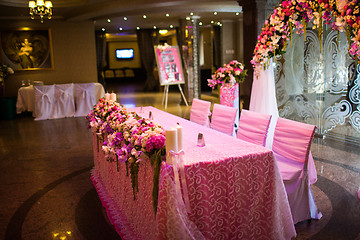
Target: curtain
147 38
100 42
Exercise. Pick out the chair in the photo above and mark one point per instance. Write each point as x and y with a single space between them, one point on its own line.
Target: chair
291 147
223 119
253 127
119 73
109 74
84 98
200 112
129 73
44 102
64 104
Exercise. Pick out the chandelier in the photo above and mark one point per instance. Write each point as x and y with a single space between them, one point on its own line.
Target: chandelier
40 8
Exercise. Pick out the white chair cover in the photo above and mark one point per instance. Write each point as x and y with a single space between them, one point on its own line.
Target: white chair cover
200 112
44 102
84 98
253 127
223 119
291 147
64 100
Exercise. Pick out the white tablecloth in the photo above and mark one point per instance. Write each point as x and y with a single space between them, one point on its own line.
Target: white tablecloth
26 99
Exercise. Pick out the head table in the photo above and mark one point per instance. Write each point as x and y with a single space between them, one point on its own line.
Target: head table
235 190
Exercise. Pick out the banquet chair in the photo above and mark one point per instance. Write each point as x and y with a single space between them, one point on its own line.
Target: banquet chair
253 127
64 103
119 73
200 112
84 98
291 147
44 102
223 119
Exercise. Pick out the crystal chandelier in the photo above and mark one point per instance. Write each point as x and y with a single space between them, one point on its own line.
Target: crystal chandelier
40 8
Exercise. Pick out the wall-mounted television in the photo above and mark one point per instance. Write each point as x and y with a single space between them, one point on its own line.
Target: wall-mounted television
124 53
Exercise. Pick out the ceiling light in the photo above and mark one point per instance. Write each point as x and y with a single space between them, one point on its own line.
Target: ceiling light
144 16
212 21
167 15
237 13
125 18
218 23
120 29
187 18
103 29
171 26
40 8
191 13
163 31
138 28
200 23
215 13
109 20
154 27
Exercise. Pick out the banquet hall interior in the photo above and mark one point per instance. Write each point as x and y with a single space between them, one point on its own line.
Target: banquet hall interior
46 165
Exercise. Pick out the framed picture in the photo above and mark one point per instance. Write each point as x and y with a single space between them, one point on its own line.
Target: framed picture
169 65
27 49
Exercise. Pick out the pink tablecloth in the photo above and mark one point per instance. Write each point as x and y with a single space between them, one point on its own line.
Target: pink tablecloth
235 191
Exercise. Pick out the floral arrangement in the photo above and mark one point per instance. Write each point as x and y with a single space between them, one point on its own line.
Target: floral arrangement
290 15
128 138
5 71
233 72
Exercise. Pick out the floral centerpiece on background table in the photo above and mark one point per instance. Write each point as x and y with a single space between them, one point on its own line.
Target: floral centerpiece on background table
231 73
228 77
5 71
128 138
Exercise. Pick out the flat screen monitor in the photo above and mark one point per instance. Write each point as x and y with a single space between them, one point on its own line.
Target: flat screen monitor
124 53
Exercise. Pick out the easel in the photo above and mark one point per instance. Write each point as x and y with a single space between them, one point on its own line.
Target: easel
170 69
166 93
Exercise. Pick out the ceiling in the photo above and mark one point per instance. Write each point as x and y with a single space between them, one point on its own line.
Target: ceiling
128 15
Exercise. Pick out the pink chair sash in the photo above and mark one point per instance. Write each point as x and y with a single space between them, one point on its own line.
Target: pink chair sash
223 118
253 127
293 139
200 112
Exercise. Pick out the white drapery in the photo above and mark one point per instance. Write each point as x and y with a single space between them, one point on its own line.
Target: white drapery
263 96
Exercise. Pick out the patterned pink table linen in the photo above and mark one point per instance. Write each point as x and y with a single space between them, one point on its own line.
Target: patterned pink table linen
235 191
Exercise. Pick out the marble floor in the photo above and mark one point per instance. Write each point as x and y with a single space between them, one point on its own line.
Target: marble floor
46 191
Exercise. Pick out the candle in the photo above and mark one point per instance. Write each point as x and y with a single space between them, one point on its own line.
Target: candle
113 96
170 143
179 137
107 96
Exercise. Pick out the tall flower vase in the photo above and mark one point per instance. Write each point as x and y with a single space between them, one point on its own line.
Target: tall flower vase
229 96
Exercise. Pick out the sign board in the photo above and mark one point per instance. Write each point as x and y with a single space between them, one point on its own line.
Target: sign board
169 65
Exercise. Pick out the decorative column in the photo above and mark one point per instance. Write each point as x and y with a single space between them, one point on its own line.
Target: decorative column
253 21
196 58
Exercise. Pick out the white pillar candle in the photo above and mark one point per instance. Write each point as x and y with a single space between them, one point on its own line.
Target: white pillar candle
107 96
113 97
179 137
170 143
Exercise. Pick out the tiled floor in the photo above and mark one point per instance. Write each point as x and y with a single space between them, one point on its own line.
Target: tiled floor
46 191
